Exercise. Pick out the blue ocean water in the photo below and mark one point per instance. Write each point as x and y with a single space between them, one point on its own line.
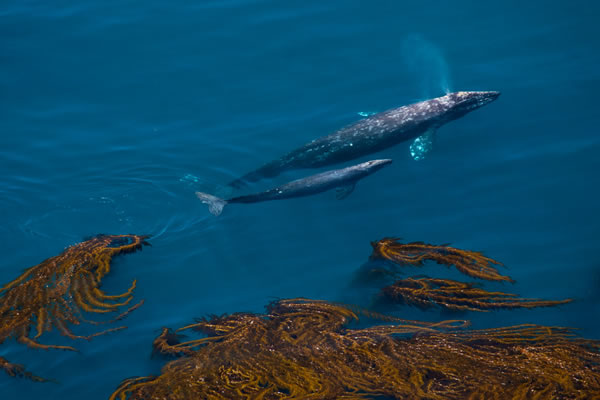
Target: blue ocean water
112 114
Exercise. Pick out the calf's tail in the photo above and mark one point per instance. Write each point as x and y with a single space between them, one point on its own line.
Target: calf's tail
215 204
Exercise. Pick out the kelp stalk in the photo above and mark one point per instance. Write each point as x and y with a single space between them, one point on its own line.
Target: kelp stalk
471 263
460 296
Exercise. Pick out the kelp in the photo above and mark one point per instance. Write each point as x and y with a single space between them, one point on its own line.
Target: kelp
453 295
471 263
305 349
59 291
166 344
18 370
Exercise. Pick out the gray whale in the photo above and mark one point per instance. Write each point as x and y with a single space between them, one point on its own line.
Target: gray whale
373 134
343 179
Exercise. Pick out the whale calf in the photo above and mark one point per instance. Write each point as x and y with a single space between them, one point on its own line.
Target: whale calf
343 179
374 134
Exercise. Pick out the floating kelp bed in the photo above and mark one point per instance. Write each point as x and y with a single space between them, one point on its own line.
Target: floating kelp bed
471 263
454 295
303 349
57 292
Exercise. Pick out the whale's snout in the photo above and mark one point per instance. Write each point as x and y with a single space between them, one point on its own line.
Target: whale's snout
458 104
468 101
376 165
484 98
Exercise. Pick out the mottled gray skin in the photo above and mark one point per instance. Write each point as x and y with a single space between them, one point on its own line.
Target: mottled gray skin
316 183
344 178
374 133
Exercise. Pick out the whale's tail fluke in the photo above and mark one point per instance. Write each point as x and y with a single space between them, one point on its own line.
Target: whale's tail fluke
215 204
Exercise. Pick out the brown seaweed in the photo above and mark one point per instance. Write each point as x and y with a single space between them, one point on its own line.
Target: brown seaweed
304 349
57 292
18 370
454 295
166 344
471 263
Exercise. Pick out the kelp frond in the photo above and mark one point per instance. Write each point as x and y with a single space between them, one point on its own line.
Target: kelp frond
468 262
18 370
59 291
454 295
168 344
303 349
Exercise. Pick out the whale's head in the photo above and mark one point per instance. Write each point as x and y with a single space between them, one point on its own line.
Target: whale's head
436 112
461 103
374 165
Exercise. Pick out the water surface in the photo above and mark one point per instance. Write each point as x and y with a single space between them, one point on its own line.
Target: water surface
114 113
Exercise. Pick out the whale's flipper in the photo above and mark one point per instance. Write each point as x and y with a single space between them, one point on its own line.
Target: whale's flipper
366 113
422 145
215 204
344 191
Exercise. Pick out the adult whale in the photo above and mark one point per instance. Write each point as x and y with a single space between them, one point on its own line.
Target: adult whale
343 179
374 134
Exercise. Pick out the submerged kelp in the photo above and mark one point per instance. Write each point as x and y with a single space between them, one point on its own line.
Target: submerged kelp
303 349
18 370
56 293
471 263
168 343
454 295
